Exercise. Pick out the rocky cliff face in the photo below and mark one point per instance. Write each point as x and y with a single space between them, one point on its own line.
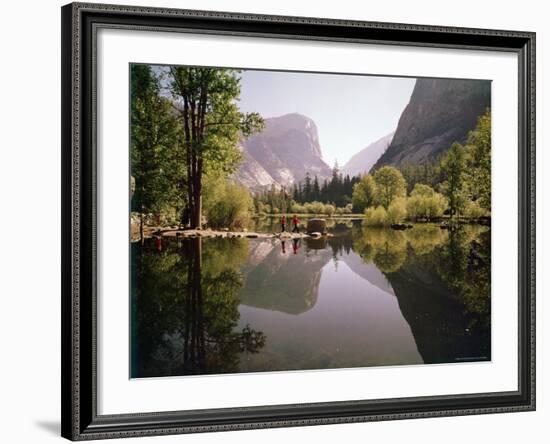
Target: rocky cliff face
363 161
282 154
440 112
253 175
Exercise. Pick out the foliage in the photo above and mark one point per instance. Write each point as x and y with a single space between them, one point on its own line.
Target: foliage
478 161
427 172
277 199
463 175
297 208
390 184
348 209
329 209
262 208
207 106
157 178
425 203
473 210
337 190
376 216
397 211
314 207
226 204
454 167
364 193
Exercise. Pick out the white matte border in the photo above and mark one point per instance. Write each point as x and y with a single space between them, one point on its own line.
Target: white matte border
119 394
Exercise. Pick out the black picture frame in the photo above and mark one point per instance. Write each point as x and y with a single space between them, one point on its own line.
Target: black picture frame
80 22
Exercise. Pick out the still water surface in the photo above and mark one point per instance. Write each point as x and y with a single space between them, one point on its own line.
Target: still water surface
364 297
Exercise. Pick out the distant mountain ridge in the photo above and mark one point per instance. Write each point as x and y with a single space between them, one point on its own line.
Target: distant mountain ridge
282 153
440 112
363 161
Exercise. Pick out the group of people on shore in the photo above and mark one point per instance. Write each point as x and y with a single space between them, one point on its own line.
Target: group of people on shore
295 224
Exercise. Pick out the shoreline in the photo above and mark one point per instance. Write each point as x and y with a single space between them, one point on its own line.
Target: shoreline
179 233
183 233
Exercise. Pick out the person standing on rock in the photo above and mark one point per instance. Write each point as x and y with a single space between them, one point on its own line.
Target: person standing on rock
283 224
295 224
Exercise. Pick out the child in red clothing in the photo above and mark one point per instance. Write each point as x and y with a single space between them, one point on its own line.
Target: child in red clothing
295 224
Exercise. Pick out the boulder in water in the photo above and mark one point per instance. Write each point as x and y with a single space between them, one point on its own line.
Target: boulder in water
316 226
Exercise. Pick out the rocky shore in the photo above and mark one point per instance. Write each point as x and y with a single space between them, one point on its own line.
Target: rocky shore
175 232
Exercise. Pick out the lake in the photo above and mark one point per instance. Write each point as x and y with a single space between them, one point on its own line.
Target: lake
362 297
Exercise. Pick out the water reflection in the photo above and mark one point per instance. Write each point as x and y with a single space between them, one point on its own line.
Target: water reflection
185 308
362 297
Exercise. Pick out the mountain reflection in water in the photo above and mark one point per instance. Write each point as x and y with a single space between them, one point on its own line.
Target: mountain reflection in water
364 297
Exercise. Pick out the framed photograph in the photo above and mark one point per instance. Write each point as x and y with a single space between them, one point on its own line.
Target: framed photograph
276 221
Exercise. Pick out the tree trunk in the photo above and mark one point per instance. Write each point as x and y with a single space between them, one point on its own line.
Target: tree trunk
141 226
196 207
194 352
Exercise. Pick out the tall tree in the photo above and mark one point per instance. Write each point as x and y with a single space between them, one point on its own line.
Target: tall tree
389 185
307 189
364 193
212 125
478 160
453 167
154 133
316 191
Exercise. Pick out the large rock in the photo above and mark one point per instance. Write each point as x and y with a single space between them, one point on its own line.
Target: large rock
252 175
282 153
440 112
316 226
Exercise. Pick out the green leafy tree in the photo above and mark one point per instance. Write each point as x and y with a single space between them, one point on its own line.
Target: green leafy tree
397 211
364 193
425 203
226 204
478 160
206 102
329 209
157 178
314 207
474 211
376 216
390 184
428 173
454 167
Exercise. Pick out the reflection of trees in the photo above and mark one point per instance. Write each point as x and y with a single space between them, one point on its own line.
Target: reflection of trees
424 238
465 265
386 248
445 295
441 279
185 309
341 243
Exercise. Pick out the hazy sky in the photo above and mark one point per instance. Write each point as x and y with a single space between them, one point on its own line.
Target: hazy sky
350 111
